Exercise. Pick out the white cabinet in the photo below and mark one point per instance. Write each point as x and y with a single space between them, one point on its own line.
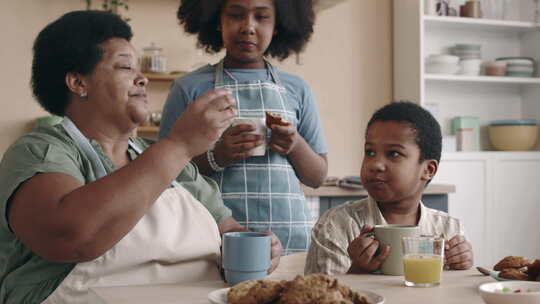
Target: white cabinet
497 193
516 206
498 200
469 203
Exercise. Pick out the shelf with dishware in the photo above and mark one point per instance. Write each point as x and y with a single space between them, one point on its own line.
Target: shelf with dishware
164 76
482 79
479 24
452 65
150 132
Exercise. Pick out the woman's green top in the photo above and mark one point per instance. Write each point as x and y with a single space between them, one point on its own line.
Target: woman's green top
26 277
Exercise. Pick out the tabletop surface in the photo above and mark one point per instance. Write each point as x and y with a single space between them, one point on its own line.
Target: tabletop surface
334 191
456 287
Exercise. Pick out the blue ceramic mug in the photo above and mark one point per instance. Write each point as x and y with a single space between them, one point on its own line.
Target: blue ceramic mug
246 256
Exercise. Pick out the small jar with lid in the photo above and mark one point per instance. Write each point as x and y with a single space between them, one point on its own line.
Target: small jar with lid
152 60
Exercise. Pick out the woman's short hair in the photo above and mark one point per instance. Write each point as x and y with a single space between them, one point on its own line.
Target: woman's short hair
71 44
294 25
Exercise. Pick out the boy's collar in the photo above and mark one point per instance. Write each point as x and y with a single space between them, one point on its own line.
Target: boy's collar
380 220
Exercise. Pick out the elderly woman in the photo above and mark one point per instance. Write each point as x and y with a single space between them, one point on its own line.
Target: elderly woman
82 204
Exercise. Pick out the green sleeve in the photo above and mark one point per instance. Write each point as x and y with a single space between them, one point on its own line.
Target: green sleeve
205 190
25 159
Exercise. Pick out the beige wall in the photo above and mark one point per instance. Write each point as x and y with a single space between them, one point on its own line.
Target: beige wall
348 64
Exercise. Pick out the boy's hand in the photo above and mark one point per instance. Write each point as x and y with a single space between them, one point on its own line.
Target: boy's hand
362 252
284 138
458 253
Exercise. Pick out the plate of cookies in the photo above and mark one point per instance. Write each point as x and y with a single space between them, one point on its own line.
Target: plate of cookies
302 289
517 268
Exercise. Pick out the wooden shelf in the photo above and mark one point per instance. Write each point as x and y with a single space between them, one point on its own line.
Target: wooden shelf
148 129
151 132
482 79
462 23
163 77
326 4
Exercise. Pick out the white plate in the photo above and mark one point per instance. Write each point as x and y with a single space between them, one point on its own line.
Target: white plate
219 296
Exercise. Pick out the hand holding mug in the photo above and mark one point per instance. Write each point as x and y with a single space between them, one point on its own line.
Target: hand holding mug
245 138
203 122
458 253
363 252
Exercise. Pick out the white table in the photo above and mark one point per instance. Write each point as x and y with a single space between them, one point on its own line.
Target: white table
457 287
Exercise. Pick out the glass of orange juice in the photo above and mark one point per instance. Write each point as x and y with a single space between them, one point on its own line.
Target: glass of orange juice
423 260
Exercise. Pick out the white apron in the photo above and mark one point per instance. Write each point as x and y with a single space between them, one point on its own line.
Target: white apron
176 241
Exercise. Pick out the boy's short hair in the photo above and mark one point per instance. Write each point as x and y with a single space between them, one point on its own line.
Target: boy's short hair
427 130
294 25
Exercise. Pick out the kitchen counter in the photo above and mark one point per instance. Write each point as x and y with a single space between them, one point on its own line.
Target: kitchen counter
335 191
435 196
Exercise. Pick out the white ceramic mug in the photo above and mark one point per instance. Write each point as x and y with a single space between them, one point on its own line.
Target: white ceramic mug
260 129
392 235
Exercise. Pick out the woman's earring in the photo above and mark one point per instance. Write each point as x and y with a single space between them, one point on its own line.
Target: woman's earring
83 95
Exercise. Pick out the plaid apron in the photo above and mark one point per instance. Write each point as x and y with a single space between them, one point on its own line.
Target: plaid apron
263 192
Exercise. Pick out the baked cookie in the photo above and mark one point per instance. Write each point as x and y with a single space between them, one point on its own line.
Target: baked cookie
511 262
255 292
513 274
353 296
311 289
533 270
275 119
318 289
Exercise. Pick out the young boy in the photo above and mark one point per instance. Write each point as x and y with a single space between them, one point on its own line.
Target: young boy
402 154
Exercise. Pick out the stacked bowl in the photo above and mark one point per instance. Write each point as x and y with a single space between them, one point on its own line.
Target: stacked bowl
442 64
518 66
471 67
513 135
467 51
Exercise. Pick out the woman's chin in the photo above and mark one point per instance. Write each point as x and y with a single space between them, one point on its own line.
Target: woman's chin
138 113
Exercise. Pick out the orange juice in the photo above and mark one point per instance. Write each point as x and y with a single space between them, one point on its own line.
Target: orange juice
423 268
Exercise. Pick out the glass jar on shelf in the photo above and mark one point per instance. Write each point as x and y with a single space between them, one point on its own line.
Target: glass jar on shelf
152 60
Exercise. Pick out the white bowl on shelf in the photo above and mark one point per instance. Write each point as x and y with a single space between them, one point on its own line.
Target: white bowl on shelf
442 59
434 68
471 67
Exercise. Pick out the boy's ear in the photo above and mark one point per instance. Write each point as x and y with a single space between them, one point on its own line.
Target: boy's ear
430 169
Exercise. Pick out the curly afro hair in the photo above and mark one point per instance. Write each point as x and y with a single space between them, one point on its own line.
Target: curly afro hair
71 44
427 129
294 25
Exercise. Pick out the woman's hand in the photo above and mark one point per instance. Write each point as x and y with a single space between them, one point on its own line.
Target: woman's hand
362 252
237 144
203 121
275 251
458 253
284 138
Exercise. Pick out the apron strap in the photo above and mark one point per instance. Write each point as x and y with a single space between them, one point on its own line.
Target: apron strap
219 74
90 152
84 144
138 150
220 70
273 72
